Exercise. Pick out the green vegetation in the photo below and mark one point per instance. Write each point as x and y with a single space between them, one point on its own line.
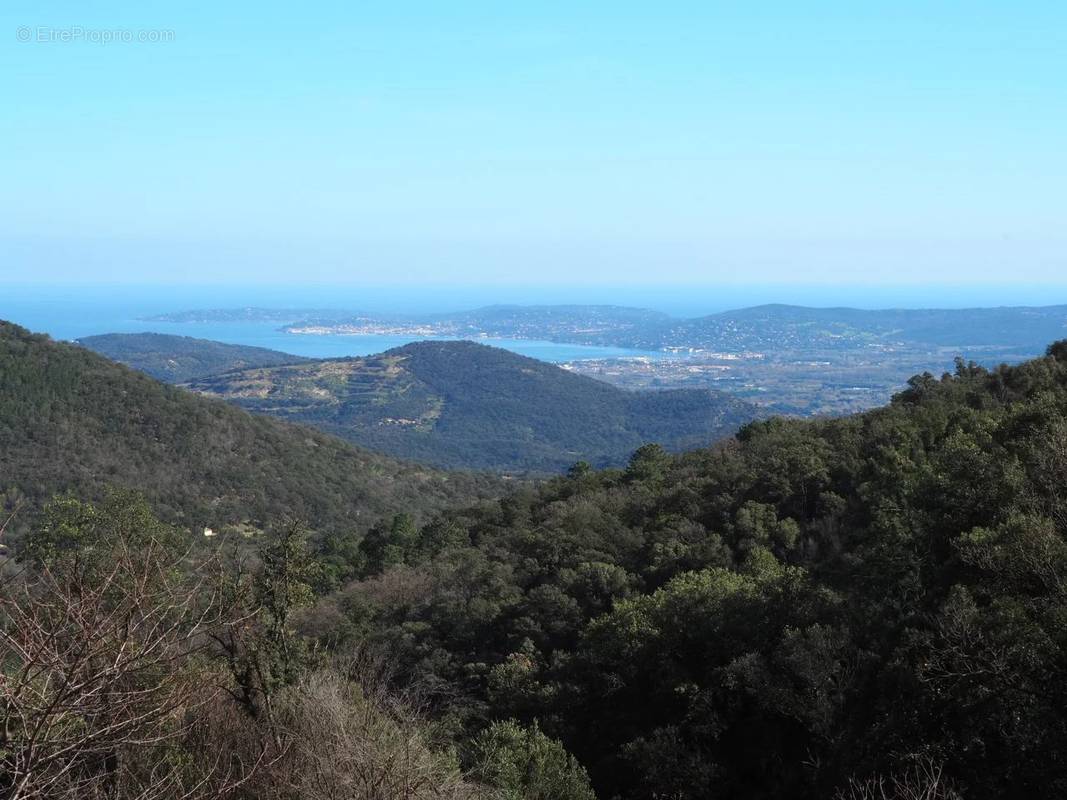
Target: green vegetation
177 359
130 671
871 606
72 421
466 405
817 609
527 765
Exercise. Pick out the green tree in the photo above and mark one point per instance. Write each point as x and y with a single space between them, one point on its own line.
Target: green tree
262 648
527 765
389 545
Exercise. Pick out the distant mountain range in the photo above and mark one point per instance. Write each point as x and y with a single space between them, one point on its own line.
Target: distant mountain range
73 421
797 327
762 328
453 404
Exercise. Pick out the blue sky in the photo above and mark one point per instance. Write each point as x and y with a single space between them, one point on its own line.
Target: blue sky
548 143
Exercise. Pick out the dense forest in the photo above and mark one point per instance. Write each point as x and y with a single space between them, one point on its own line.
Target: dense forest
132 668
818 608
865 607
72 421
177 359
463 405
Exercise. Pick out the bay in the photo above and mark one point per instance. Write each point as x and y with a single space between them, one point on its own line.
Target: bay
73 313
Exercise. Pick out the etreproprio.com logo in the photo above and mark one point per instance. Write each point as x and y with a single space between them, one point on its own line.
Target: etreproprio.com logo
73 34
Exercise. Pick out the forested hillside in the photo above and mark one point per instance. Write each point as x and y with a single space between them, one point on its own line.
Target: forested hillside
870 606
817 609
465 405
134 668
176 359
71 420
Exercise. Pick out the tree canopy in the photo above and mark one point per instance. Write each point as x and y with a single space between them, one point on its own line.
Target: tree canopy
816 608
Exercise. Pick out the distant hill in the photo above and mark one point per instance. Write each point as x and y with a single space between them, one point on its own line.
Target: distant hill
798 327
586 322
177 359
248 314
1020 331
462 404
772 328
70 420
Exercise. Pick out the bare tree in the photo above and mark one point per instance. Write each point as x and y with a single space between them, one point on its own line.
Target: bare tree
352 741
100 678
116 683
923 780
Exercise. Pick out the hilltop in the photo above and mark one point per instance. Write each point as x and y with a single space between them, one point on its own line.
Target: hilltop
462 404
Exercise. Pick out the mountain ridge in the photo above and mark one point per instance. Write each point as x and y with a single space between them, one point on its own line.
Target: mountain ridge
465 404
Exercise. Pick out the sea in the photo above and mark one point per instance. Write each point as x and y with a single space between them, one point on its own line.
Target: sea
68 312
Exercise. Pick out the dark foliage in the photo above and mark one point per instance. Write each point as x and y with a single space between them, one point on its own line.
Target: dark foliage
814 608
867 606
465 405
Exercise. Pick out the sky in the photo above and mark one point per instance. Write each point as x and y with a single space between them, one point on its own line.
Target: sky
510 144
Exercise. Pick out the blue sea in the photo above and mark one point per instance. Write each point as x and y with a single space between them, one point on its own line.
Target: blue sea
71 312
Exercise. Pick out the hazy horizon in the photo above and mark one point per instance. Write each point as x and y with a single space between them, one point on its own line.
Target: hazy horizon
18 298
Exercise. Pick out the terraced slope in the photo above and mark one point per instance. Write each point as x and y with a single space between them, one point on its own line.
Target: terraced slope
462 404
